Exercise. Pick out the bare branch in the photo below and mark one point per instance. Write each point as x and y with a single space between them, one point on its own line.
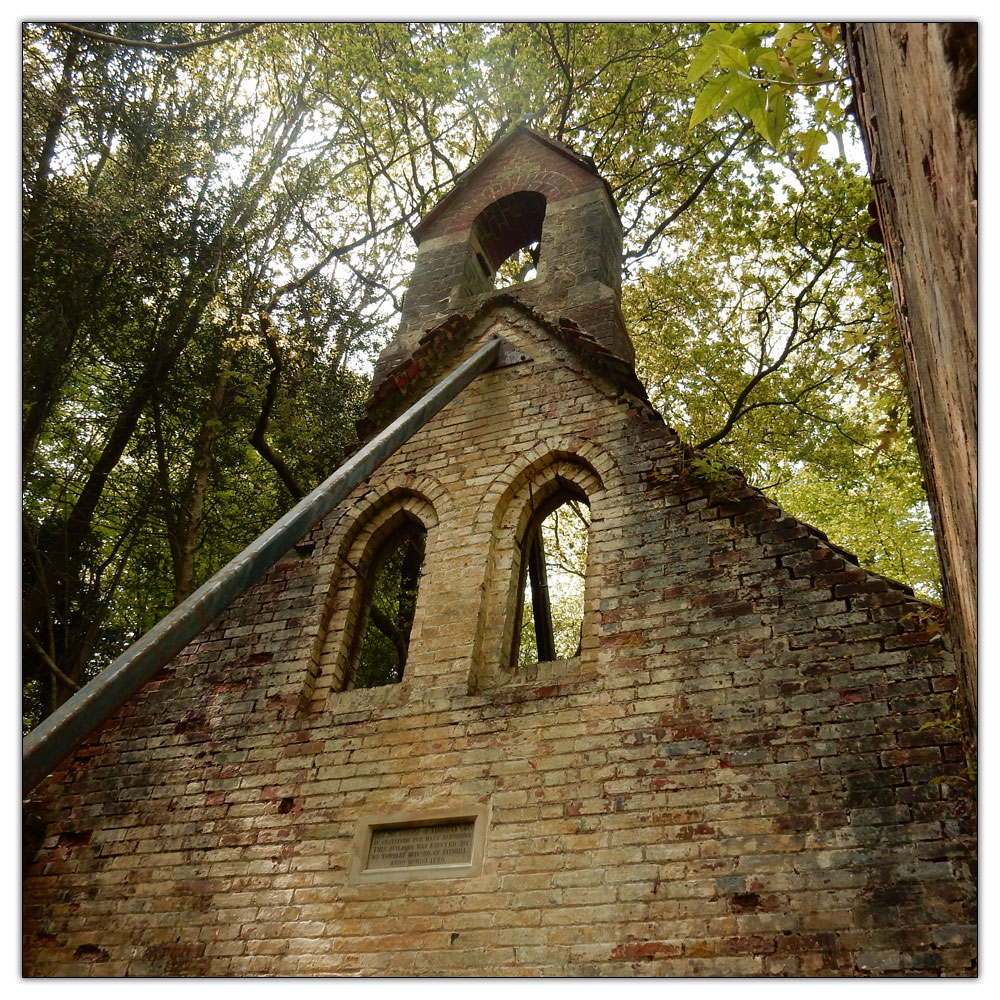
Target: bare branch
48 661
154 46
690 199
792 343
259 436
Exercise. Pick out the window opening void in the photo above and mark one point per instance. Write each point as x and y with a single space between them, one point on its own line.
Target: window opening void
521 265
390 605
505 241
551 605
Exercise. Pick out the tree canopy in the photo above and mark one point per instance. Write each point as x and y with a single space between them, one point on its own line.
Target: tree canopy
215 245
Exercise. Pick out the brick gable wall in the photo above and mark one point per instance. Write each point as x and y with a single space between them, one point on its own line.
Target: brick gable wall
731 779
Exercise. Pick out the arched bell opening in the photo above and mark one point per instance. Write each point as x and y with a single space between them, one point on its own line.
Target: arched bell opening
504 243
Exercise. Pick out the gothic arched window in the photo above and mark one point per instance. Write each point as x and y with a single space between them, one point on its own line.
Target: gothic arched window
550 610
388 606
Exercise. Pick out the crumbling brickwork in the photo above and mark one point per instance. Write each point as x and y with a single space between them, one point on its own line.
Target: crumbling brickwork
733 778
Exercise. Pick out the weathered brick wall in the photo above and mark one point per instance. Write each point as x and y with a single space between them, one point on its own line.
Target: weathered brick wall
731 779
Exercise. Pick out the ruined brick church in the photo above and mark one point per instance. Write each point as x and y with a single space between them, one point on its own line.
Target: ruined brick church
728 776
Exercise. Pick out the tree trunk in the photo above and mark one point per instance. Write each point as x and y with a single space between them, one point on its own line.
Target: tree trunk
57 588
916 88
193 500
40 182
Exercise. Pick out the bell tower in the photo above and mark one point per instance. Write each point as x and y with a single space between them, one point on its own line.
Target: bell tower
531 193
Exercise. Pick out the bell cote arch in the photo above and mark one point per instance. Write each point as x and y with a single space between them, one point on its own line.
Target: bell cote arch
528 191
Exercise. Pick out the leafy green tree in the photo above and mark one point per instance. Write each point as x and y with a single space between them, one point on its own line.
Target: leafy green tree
214 250
156 223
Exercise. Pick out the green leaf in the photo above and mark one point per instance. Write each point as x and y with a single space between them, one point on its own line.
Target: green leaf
768 61
737 97
711 97
731 57
786 32
754 106
800 48
812 142
704 60
777 115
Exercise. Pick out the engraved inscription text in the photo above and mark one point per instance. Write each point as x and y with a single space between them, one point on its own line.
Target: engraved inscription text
419 846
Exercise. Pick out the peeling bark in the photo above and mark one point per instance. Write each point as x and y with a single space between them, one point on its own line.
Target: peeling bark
916 93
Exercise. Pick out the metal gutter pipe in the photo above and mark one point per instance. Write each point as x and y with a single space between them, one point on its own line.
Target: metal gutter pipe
63 731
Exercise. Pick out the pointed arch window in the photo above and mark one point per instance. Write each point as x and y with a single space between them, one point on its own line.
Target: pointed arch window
389 605
549 617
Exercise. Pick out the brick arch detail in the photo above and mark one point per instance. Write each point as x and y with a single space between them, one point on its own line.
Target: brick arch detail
531 463
365 505
552 185
504 515
359 532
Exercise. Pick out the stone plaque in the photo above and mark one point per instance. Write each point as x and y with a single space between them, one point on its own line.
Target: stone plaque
448 841
421 846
